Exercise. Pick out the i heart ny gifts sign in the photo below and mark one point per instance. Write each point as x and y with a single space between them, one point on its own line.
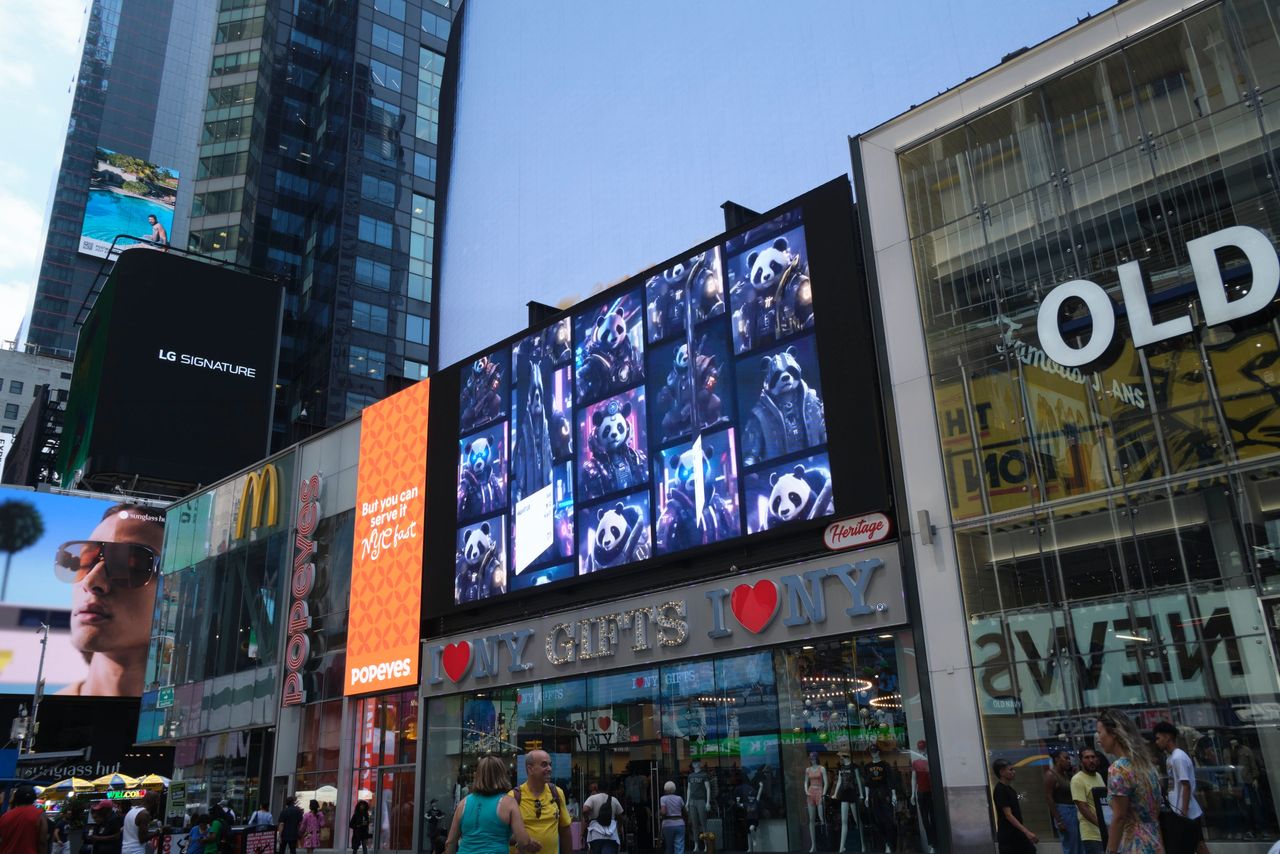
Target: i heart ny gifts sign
835 595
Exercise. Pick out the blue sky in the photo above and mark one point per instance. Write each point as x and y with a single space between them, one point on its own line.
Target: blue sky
40 46
66 517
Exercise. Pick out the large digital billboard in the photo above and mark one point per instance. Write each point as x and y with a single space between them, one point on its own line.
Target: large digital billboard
386 567
670 416
127 195
174 375
87 568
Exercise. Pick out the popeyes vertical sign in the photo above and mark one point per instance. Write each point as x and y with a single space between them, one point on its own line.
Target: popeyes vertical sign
297 651
383 634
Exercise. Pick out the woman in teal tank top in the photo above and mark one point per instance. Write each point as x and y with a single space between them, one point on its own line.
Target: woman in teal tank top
487 819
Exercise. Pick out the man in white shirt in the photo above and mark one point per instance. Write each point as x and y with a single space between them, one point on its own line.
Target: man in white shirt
1182 784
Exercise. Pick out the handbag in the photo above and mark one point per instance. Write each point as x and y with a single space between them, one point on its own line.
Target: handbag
1178 830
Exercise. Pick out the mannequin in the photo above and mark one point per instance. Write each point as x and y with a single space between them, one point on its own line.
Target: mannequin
881 797
463 786
698 796
847 790
748 804
922 791
815 784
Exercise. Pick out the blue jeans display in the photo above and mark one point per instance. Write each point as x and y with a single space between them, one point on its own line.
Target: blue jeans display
673 838
1071 841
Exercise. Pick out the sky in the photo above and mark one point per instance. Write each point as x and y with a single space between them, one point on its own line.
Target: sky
66 518
40 46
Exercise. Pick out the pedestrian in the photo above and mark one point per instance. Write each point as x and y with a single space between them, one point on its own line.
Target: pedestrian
1132 787
22 828
1057 797
217 830
195 836
312 822
261 816
290 825
137 826
542 806
1012 836
671 808
227 812
1082 785
106 829
488 818
602 812
359 825
61 836
1187 831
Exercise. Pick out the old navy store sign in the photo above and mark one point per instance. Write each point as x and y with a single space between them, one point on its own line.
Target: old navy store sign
1218 307
836 595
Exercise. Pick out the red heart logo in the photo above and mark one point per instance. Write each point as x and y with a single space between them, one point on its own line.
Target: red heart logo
457 659
604 722
755 605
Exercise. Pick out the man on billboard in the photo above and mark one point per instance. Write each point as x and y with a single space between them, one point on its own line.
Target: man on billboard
113 593
159 237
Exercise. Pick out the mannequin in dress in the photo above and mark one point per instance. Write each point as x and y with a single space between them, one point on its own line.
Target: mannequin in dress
847 790
922 791
815 784
881 797
697 797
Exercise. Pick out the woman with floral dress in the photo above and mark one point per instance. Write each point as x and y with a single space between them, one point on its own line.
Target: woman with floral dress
310 827
1133 787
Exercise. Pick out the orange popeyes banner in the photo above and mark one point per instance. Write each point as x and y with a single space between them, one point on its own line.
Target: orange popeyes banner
386 566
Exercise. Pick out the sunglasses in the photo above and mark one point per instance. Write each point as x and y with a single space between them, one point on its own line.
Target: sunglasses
127 564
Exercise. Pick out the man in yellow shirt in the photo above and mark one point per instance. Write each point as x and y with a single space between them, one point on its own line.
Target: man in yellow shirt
1082 785
542 807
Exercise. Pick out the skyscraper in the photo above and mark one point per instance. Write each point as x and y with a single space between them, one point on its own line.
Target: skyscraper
318 163
134 122
310 153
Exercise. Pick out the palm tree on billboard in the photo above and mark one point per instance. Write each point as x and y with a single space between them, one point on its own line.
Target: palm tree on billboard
20 527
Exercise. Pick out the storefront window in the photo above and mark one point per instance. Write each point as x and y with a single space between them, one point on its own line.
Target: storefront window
1116 523
385 776
734 734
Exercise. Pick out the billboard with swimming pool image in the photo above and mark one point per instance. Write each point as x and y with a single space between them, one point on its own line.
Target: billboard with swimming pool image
124 193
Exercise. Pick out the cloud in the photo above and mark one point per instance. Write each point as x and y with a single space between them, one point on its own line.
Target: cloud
21 244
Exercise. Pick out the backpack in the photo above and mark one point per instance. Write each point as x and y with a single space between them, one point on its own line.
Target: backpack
604 817
556 798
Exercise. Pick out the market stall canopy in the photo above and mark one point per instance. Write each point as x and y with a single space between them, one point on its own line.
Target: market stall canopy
117 781
152 780
71 784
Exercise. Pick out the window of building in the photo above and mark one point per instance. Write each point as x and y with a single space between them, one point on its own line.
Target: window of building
379 149
222 165
230 63
388 40
66 375
217 202
319 750
11 411
238 30
435 25
377 190
415 370
364 362
227 130
394 8
424 166
8 431
231 96
386 76
369 317
15 386
384 114
417 329
356 403
373 273
209 240
430 76
376 231
421 246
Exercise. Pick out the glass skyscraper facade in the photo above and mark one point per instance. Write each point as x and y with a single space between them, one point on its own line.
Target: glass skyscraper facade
137 95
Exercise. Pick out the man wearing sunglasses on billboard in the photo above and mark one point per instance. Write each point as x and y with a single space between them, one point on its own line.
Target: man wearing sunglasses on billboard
113 578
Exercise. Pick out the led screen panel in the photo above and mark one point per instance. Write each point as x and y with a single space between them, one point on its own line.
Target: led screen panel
127 195
673 415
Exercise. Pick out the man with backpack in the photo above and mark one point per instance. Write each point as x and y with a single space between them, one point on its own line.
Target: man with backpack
542 806
602 812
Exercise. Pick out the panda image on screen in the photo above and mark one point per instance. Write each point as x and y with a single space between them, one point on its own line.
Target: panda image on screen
786 413
770 291
699 279
795 491
711 462
610 355
614 448
688 392
483 392
480 562
482 484
615 533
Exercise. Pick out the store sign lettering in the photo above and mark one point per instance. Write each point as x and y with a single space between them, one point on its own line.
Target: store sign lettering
795 600
298 649
1217 306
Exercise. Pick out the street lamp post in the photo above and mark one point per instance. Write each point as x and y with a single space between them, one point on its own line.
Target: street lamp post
30 739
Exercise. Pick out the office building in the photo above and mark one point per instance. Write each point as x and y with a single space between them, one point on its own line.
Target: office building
129 152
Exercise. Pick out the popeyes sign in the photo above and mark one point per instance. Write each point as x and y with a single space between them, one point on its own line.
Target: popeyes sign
297 651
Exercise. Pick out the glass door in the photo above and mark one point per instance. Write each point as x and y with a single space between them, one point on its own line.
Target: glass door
634 774
393 810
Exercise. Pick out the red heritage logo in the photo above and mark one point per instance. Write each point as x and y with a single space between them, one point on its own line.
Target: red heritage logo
755 605
862 531
457 660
